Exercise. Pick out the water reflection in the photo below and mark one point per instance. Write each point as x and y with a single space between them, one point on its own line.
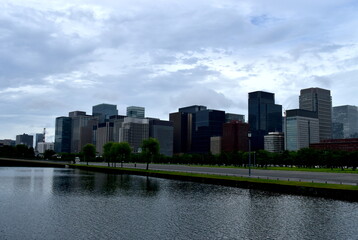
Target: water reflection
75 181
45 203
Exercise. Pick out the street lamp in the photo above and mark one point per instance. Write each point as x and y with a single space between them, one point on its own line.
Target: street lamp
249 136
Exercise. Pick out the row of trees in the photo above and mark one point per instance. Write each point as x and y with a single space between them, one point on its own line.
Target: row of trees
305 158
18 151
114 153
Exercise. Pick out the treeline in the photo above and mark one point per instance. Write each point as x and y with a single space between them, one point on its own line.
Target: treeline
304 158
18 151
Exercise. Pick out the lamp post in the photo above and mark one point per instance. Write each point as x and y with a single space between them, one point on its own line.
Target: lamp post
249 136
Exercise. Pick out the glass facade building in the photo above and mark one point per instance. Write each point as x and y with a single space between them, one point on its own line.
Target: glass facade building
206 124
135 112
63 134
345 119
264 116
104 111
234 117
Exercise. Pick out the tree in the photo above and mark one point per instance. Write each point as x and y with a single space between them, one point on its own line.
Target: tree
120 151
107 152
49 153
150 149
89 152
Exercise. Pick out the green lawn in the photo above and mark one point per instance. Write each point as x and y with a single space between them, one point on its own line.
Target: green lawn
246 179
329 170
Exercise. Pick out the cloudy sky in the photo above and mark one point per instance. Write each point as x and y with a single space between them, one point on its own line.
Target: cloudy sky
59 56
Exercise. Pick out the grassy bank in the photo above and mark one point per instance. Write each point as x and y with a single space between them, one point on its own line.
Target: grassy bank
336 191
328 170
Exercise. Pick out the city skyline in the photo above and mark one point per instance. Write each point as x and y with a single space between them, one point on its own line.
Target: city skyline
59 56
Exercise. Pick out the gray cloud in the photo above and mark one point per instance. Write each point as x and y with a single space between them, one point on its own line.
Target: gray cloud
57 57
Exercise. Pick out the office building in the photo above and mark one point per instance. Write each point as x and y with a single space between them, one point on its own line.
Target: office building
235 137
63 134
81 130
345 122
42 147
301 129
8 142
135 112
319 100
264 116
337 130
39 137
134 131
274 142
182 124
348 145
104 111
103 133
206 124
183 128
25 139
163 131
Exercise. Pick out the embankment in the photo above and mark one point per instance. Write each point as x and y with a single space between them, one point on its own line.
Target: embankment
333 191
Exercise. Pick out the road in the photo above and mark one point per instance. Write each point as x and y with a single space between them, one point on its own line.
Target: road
317 177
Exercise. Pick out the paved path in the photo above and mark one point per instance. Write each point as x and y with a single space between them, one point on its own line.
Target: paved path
318 177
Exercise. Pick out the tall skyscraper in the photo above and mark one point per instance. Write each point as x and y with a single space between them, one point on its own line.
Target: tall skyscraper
81 130
194 126
183 127
301 129
206 124
104 111
63 134
347 117
135 112
319 100
182 124
264 116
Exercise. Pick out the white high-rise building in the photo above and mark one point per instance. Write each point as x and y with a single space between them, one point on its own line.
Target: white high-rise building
301 129
43 146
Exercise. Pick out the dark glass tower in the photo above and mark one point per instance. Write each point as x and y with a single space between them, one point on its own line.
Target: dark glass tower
104 111
63 134
193 127
264 116
206 124
345 118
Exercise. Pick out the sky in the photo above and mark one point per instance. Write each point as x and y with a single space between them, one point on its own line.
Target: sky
60 56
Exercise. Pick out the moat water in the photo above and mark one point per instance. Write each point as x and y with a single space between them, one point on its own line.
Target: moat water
48 203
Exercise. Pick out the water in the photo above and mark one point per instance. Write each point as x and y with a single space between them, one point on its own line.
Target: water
46 203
